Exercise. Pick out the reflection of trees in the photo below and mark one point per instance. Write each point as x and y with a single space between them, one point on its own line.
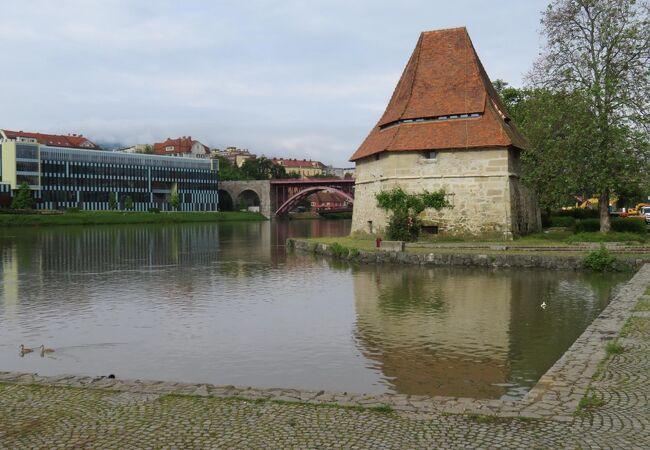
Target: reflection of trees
538 337
408 293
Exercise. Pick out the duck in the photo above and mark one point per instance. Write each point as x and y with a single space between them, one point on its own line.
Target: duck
24 350
45 350
543 305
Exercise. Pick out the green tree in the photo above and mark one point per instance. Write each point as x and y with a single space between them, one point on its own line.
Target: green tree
112 200
23 197
175 201
600 50
404 224
128 202
228 171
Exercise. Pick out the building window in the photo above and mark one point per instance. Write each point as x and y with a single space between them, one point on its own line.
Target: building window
431 155
169 148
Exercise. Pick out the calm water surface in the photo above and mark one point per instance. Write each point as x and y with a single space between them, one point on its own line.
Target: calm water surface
225 304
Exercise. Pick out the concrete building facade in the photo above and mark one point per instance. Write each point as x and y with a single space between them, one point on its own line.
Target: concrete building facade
446 128
65 177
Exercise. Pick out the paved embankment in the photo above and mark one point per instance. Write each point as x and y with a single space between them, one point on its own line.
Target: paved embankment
612 411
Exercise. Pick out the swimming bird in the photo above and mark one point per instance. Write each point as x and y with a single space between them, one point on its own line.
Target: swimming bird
24 350
45 350
543 305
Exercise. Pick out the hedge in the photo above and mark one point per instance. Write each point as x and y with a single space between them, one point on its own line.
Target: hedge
562 221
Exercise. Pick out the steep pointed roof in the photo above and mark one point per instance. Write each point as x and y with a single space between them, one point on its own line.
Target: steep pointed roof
444 100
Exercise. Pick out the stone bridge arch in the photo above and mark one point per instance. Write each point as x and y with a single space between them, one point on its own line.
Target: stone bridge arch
235 189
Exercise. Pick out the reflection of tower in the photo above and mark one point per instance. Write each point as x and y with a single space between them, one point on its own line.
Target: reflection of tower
10 282
435 331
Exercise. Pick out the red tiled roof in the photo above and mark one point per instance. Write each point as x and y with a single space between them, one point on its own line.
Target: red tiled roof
54 140
181 145
444 77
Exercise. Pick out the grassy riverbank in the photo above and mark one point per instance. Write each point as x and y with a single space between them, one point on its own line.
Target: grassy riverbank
121 217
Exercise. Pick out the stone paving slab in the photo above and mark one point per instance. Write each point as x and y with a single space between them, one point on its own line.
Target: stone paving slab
70 411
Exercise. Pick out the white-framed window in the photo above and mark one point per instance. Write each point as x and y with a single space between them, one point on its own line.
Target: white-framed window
169 148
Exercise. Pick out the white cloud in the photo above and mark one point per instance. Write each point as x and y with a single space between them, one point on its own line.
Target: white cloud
289 77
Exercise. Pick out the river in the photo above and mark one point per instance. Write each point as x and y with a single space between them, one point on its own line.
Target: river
224 303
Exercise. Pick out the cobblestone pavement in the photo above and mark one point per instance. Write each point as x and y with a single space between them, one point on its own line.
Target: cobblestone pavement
614 414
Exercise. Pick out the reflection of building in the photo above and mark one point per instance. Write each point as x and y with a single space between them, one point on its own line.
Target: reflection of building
415 325
71 177
182 146
445 127
471 332
302 167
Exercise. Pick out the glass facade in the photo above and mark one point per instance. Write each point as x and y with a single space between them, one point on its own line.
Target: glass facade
85 179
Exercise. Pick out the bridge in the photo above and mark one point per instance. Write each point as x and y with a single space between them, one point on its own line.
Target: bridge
278 197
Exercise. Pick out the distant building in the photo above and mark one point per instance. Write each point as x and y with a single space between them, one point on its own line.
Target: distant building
302 167
327 200
445 127
340 172
51 140
236 156
61 176
182 146
137 148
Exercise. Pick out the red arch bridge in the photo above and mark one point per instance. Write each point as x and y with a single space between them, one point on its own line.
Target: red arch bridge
278 197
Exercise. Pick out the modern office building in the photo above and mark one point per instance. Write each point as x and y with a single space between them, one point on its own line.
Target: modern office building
63 177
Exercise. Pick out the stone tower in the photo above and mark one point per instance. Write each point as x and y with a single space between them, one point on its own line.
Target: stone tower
445 127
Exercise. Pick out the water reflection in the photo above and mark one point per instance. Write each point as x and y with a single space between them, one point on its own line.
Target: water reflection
223 303
471 332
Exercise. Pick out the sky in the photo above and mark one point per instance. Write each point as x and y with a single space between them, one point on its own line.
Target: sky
297 79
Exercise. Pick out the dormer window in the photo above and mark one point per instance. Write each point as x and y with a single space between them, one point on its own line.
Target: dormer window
169 148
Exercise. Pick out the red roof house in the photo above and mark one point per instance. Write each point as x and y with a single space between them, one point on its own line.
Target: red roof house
52 140
182 146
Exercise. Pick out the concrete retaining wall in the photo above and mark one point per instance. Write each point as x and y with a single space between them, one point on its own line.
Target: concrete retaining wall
455 259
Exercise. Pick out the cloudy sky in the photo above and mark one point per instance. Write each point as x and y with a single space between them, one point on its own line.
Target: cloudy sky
281 78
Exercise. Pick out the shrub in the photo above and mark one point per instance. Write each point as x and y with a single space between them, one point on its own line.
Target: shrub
580 213
339 251
154 210
112 200
22 197
600 260
72 210
354 253
175 201
404 224
562 221
629 224
587 225
128 202
403 227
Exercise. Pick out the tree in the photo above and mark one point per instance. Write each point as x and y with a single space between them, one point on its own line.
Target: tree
228 171
22 197
128 202
600 50
112 200
404 224
175 201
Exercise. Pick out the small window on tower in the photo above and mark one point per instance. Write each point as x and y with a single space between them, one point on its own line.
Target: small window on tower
431 155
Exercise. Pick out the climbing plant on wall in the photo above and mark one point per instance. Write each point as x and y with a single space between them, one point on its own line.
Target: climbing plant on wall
404 223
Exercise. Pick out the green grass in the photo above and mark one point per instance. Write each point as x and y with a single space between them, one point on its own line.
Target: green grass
588 403
609 237
614 348
120 217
